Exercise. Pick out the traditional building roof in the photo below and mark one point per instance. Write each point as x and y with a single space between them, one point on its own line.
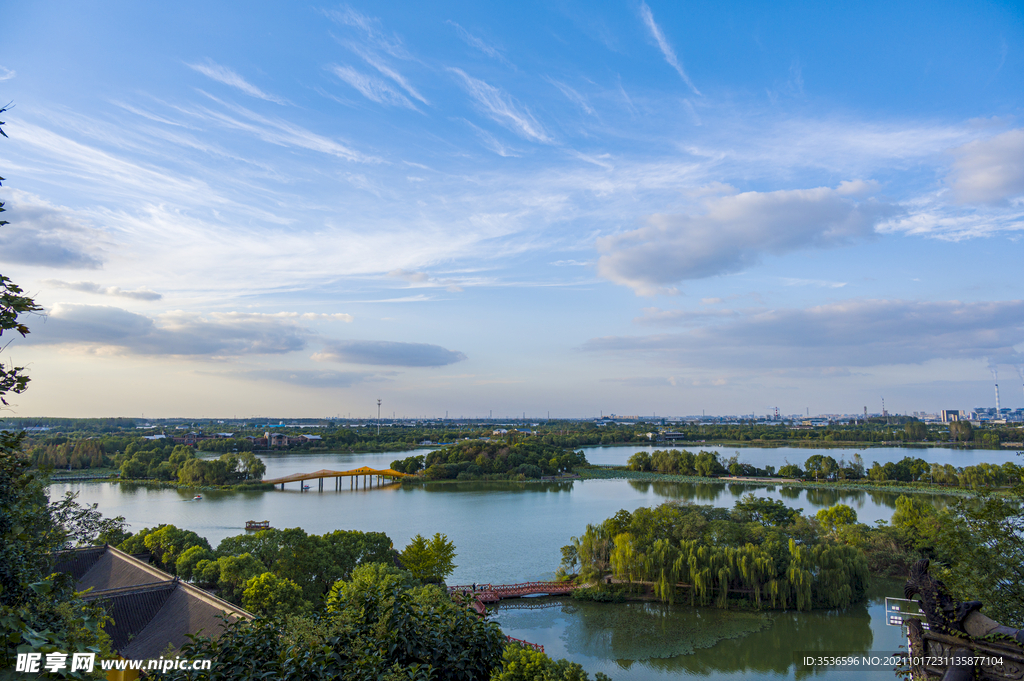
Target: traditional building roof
152 611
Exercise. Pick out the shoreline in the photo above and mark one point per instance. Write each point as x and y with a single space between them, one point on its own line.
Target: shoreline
850 485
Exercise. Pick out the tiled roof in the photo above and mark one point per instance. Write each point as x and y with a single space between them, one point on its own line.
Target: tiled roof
152 611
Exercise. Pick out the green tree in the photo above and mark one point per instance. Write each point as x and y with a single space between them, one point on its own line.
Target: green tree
272 596
981 545
768 512
836 516
235 572
522 663
641 461
168 542
38 609
185 565
431 560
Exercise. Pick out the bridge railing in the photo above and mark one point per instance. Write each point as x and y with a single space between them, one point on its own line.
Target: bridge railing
526 644
522 587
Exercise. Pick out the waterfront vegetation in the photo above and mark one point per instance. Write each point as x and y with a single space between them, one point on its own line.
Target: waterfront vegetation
910 472
760 552
504 460
763 555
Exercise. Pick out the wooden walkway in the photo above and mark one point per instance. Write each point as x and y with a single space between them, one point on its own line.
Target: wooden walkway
492 593
366 473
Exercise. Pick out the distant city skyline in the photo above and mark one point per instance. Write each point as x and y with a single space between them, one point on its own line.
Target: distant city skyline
632 207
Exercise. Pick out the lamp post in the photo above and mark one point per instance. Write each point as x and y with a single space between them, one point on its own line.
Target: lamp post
378 417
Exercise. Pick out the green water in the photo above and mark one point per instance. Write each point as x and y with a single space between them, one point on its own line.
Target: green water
657 641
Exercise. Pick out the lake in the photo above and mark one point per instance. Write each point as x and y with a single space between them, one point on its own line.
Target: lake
513 532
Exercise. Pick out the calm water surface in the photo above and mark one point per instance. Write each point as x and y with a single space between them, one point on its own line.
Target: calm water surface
511 532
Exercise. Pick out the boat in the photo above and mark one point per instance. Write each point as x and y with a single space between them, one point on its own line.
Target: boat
257 525
305 487
198 497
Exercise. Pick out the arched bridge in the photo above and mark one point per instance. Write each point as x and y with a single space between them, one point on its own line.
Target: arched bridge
367 474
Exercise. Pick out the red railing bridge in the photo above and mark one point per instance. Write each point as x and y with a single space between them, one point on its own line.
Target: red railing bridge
492 593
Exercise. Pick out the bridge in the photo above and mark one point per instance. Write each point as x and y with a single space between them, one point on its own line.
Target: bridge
367 474
492 593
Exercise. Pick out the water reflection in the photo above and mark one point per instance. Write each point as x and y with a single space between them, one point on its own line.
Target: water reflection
876 503
696 492
641 640
477 486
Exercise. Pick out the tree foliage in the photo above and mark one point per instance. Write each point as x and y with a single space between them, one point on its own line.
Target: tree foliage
429 560
769 556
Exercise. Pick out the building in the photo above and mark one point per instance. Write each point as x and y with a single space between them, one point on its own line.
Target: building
153 612
949 415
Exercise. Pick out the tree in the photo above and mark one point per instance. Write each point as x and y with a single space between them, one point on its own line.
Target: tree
641 461
13 304
522 663
981 544
235 573
961 431
431 560
272 596
38 609
836 516
185 565
768 512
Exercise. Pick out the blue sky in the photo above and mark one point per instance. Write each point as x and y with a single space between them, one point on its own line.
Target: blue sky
551 207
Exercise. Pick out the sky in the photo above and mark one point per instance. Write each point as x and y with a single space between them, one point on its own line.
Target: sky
566 208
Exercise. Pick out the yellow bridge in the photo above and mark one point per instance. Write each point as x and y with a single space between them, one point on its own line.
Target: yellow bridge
366 473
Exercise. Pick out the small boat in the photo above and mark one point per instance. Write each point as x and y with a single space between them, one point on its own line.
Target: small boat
305 487
198 497
257 525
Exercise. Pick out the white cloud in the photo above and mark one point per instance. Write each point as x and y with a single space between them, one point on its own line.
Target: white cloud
223 334
371 87
223 74
46 235
370 28
388 353
6 73
573 96
664 46
280 132
861 333
502 108
92 287
479 44
733 234
419 279
394 75
991 170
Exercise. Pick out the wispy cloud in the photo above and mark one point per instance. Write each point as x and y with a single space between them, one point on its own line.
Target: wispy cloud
664 46
479 44
502 108
92 287
423 279
280 132
373 88
6 73
371 29
573 96
377 63
222 74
